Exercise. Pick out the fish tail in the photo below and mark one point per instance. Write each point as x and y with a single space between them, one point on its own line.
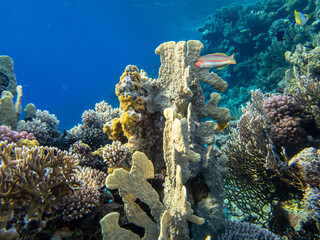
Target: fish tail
233 61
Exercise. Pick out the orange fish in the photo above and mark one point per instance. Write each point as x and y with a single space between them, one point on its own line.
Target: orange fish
214 61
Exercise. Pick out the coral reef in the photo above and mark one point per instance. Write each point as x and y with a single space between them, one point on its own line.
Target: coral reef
91 129
181 147
286 118
115 154
44 126
33 179
251 31
6 134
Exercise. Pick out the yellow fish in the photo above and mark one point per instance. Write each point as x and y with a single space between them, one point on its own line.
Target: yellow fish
208 237
300 18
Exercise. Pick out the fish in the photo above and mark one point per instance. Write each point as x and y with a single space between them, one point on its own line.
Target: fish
214 61
208 237
300 18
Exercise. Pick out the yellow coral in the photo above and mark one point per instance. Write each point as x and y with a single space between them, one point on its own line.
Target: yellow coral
128 123
126 102
114 130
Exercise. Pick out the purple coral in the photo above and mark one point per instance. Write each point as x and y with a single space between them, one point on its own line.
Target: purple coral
285 117
6 134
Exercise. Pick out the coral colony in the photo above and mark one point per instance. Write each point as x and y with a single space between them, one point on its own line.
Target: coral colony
170 162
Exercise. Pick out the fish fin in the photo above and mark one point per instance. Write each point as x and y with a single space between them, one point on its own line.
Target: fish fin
223 67
233 61
296 17
212 54
222 126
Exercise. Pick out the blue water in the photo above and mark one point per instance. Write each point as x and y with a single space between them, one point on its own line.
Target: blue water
70 54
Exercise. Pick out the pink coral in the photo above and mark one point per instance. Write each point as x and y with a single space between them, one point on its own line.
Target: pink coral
6 134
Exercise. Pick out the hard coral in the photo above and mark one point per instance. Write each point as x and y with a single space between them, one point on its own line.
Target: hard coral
246 231
81 201
6 134
115 154
34 179
285 116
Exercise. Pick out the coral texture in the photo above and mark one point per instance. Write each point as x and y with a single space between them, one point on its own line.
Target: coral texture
6 134
91 129
114 154
33 178
285 116
246 231
81 201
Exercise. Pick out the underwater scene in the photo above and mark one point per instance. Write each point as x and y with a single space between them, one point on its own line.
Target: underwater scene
158 120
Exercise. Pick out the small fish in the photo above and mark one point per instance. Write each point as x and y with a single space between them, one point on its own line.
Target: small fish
208 237
280 35
214 61
300 18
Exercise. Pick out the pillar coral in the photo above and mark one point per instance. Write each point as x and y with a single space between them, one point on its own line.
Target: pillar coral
10 111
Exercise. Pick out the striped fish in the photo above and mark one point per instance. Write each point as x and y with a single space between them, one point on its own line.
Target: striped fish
214 61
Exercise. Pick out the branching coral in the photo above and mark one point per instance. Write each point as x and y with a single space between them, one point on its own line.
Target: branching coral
34 178
81 200
44 126
305 62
